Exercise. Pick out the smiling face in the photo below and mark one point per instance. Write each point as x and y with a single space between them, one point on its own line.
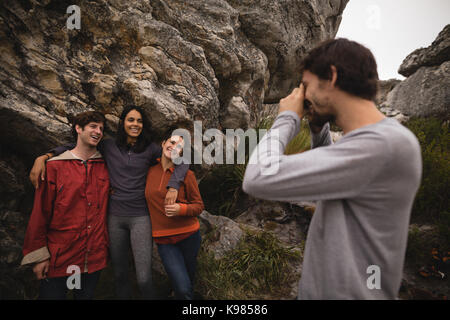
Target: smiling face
172 147
317 92
91 134
133 125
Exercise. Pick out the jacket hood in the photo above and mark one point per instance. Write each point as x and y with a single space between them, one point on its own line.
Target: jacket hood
70 156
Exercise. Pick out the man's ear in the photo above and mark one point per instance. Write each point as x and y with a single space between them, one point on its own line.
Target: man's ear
78 129
334 75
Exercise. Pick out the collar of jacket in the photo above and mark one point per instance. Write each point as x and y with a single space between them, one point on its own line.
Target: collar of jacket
171 169
70 156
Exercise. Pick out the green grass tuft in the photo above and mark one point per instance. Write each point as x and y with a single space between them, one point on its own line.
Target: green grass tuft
256 268
222 188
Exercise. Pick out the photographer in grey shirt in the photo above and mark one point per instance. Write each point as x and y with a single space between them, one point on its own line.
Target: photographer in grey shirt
365 183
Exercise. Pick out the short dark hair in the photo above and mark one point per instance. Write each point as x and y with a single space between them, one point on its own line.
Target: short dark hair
83 118
169 132
355 64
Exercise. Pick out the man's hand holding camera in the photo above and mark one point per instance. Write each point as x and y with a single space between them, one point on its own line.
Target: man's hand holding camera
296 102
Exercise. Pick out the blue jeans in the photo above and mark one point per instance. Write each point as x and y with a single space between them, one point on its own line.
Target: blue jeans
56 288
180 263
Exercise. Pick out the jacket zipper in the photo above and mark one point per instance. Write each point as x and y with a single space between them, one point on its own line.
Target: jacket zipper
86 255
85 166
162 179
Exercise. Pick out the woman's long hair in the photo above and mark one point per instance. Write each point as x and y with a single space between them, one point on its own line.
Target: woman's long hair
143 140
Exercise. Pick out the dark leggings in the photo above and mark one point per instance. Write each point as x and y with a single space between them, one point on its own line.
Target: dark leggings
136 231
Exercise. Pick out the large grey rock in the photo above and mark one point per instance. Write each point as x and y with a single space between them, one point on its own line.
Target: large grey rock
223 233
214 61
220 235
423 94
181 61
384 87
289 223
437 53
285 30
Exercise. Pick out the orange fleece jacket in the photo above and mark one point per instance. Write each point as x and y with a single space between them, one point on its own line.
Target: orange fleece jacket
189 199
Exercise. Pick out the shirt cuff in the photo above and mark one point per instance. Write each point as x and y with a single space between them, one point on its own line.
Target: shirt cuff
183 209
290 113
36 256
174 185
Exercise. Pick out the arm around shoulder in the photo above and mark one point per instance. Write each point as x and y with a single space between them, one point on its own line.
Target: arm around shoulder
194 205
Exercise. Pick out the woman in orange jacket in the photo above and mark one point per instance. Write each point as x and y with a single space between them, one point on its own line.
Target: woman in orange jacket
175 228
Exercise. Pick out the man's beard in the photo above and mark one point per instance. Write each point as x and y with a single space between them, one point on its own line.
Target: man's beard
318 120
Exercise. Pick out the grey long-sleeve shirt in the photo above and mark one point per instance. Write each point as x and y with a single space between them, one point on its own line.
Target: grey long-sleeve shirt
365 185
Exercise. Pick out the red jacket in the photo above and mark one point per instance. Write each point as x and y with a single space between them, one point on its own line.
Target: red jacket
68 221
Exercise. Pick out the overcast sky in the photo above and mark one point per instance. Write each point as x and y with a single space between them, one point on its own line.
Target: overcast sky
392 29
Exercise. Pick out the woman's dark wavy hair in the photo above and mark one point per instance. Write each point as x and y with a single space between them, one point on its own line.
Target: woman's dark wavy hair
143 140
355 64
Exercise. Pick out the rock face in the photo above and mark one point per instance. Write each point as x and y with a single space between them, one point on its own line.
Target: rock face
288 222
280 29
224 233
181 61
384 87
437 53
425 92
216 61
16 281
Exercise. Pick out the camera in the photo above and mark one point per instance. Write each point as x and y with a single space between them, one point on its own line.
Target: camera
306 104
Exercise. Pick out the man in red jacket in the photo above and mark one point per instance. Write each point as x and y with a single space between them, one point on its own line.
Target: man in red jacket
66 239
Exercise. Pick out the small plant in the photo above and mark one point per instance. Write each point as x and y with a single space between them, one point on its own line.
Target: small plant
432 199
258 266
301 142
222 189
417 250
431 205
